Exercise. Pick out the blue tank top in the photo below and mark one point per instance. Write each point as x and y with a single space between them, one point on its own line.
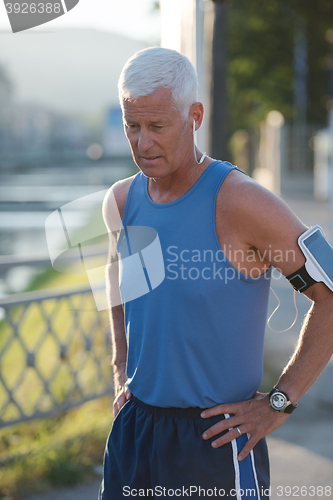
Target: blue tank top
195 337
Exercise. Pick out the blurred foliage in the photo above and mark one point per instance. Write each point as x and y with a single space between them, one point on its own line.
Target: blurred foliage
40 456
155 7
260 44
44 277
5 80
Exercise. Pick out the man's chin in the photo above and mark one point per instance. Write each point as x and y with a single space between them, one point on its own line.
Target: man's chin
151 167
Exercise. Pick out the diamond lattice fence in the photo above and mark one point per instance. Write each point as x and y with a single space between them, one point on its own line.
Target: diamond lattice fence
54 354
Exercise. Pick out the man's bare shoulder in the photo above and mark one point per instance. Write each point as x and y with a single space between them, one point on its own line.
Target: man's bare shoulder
238 185
250 216
118 192
248 201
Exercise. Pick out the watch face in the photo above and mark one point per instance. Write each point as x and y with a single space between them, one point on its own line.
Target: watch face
278 401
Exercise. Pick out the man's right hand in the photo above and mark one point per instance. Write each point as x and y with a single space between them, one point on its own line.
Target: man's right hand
121 399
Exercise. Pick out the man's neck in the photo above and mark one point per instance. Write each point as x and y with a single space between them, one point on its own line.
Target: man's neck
174 186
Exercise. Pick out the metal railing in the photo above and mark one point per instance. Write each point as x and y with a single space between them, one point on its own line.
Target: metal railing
8 262
54 353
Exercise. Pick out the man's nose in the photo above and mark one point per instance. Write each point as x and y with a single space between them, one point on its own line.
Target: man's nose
144 140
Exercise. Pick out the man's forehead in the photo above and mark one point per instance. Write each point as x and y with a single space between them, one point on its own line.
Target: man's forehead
160 94
160 101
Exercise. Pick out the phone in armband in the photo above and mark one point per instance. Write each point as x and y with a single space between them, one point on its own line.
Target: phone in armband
319 255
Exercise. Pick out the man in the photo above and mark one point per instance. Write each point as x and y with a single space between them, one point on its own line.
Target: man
188 349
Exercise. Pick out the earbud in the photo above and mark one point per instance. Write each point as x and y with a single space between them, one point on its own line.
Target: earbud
195 152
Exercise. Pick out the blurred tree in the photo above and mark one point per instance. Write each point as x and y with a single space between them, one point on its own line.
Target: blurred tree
155 7
261 47
219 119
6 90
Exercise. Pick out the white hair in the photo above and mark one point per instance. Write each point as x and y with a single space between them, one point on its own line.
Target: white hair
151 69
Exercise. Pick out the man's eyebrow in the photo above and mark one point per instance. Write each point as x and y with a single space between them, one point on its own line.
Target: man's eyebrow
161 120
128 121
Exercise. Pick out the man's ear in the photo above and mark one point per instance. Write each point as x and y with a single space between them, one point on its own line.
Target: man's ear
196 114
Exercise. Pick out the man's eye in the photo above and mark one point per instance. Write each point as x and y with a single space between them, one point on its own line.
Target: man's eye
158 126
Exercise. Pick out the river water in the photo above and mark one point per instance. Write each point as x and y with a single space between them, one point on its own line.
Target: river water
28 198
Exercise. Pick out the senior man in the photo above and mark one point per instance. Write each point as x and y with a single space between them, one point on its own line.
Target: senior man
188 355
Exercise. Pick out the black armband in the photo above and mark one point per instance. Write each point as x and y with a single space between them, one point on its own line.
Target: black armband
301 279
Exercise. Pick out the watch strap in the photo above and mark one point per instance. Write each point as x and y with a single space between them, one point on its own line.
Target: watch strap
290 408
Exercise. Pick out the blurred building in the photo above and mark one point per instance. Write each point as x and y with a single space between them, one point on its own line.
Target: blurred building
114 139
60 110
32 132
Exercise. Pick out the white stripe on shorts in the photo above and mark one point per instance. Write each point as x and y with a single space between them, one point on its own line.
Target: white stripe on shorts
254 470
236 463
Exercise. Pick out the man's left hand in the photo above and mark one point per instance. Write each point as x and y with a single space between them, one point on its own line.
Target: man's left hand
253 417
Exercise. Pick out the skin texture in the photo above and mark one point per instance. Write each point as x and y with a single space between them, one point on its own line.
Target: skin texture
250 221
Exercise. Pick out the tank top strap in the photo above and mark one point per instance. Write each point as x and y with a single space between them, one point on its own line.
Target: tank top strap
213 176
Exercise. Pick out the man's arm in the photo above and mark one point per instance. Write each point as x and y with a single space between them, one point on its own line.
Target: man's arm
266 223
119 357
113 207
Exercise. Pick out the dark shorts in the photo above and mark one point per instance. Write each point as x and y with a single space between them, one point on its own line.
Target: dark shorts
159 453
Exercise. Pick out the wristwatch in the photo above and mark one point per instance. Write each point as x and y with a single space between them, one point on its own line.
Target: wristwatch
279 401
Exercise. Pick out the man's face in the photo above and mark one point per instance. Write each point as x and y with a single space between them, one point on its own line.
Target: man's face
161 140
